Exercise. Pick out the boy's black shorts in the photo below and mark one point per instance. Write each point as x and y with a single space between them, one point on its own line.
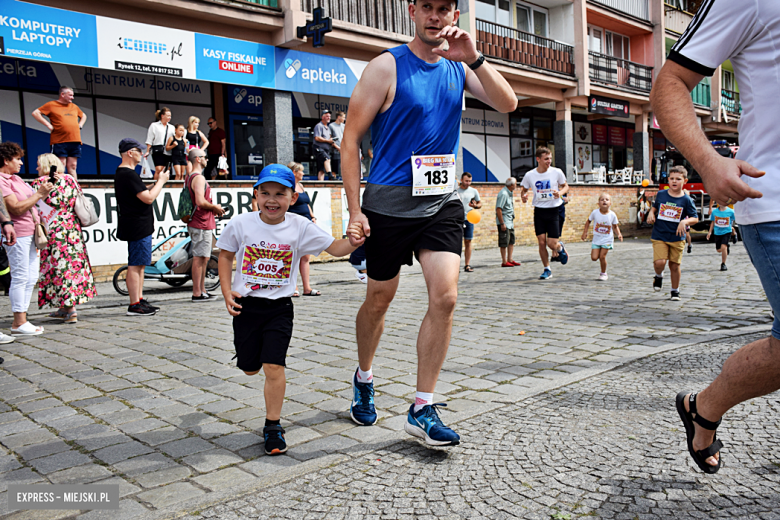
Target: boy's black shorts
393 240
262 332
547 221
721 240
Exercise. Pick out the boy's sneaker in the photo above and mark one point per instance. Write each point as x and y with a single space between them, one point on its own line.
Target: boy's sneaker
675 296
690 248
723 267
202 298
426 425
140 310
603 277
362 409
658 283
274 440
148 305
363 277
563 256
546 275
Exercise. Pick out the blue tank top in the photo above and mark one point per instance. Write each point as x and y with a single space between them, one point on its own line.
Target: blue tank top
301 206
424 118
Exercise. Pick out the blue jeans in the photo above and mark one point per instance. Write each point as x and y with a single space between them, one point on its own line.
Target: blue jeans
762 242
468 230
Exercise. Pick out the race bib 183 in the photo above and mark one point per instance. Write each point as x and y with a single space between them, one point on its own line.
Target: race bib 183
266 266
433 174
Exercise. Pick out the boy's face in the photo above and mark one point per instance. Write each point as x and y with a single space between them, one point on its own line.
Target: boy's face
273 200
605 201
676 181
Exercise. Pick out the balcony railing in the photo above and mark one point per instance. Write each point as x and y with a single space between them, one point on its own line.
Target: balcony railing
529 49
266 3
729 99
701 95
385 15
623 73
637 8
677 20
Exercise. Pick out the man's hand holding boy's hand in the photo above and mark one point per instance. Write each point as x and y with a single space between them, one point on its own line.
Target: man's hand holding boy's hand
356 233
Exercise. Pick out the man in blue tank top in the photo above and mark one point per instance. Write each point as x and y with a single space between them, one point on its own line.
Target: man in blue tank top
412 97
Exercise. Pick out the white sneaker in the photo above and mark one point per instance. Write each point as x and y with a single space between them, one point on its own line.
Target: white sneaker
5 338
363 277
603 277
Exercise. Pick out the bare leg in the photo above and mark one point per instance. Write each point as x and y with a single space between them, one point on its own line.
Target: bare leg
158 170
542 240
595 254
179 169
370 321
135 282
503 254
305 268
273 391
468 248
20 318
675 269
749 372
552 243
320 175
509 250
724 253
603 260
659 265
199 275
440 269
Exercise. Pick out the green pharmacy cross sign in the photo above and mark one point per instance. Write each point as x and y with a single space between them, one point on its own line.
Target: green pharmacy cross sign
317 28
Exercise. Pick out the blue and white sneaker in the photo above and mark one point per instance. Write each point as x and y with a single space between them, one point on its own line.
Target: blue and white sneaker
546 274
426 425
563 256
362 409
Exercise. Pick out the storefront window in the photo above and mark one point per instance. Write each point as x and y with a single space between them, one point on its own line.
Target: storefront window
520 125
543 129
247 135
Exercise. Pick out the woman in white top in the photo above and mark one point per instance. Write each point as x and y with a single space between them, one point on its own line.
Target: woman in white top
156 139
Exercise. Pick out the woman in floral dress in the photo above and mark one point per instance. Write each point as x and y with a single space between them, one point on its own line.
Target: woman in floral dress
66 276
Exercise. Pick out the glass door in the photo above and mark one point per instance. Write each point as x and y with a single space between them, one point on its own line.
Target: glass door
246 146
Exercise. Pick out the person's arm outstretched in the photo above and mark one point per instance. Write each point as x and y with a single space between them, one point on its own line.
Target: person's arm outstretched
616 231
585 230
225 270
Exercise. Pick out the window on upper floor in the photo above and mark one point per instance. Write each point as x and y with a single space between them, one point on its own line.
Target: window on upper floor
728 80
609 43
496 11
531 19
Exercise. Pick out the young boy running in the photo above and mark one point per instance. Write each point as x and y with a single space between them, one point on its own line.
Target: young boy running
672 211
722 221
605 227
269 244
548 185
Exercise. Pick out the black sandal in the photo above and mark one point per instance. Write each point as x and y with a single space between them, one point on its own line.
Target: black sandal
699 457
468 269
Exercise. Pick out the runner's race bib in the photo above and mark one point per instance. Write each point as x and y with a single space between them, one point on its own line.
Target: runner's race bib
266 266
722 221
670 213
545 194
433 174
604 229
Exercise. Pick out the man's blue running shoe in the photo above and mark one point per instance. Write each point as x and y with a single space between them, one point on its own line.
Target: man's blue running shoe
546 275
563 256
362 409
426 425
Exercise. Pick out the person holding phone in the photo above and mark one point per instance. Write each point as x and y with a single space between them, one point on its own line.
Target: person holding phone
136 221
62 284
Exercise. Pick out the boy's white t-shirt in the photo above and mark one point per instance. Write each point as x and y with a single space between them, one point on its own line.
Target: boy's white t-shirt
267 256
602 227
543 186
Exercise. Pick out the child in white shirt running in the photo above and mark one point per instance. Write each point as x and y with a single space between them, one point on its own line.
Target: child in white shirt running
605 227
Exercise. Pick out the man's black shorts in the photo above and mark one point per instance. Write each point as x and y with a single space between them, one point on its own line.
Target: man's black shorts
393 240
321 156
547 221
721 240
262 332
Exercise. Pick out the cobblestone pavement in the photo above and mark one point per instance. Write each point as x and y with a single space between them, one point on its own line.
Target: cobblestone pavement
611 446
157 406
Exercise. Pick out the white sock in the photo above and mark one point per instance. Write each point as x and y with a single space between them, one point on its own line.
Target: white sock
659 275
421 399
547 268
365 377
675 289
603 273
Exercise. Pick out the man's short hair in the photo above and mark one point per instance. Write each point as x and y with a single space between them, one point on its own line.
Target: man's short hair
510 181
194 153
340 113
541 151
63 88
679 169
455 1
466 174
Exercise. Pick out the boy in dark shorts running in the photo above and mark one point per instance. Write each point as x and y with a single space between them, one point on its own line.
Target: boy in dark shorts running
722 222
269 243
548 185
411 97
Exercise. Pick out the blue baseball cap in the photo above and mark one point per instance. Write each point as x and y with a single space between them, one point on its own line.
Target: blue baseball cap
128 144
277 173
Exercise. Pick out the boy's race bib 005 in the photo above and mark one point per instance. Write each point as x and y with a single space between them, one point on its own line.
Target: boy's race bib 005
433 174
670 213
266 266
722 221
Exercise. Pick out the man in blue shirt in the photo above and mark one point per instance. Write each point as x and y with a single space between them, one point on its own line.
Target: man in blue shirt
411 97
672 211
721 221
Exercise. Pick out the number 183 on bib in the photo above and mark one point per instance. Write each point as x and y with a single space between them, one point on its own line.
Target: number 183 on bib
433 174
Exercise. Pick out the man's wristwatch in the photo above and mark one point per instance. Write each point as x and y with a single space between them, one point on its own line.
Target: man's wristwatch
6 222
477 64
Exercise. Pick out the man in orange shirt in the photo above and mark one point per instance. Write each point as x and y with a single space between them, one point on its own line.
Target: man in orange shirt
65 121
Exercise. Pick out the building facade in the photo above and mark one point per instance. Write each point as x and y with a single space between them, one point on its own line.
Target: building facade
582 71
